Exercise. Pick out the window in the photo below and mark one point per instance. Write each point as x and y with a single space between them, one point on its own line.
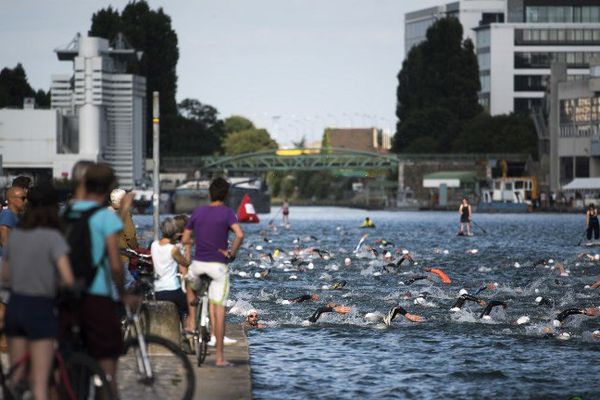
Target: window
582 167
566 170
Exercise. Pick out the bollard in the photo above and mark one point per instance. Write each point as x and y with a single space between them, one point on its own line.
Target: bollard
162 319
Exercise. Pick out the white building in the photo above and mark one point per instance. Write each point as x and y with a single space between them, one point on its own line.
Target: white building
470 13
97 114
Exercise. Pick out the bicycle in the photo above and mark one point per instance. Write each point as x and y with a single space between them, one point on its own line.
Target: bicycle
74 376
201 335
145 373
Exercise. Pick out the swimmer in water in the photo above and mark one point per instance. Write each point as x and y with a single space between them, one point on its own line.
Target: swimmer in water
337 285
304 297
397 264
394 311
252 320
489 286
413 279
544 301
440 273
329 307
466 297
589 311
488 309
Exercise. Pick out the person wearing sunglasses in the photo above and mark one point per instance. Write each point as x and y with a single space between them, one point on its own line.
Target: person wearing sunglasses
17 199
252 320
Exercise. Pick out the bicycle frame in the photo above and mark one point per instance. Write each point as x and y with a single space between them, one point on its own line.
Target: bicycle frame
142 359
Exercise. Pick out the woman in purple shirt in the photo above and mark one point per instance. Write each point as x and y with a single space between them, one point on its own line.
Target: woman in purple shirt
210 226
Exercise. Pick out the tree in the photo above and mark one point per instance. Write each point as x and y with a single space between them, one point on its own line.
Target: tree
148 31
237 123
196 130
14 87
439 78
512 133
248 141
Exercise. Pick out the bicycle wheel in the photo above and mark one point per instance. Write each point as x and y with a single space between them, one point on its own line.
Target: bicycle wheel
202 345
172 373
84 379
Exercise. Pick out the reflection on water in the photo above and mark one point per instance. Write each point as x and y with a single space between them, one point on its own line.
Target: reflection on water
450 355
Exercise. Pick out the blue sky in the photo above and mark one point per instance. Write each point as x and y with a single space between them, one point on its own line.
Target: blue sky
291 66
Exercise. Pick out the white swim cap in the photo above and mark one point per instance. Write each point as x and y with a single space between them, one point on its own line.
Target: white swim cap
388 254
538 299
537 290
293 277
550 261
487 317
251 311
564 336
405 251
310 266
116 196
556 323
257 274
523 320
259 247
587 287
454 309
596 256
347 261
517 265
596 332
326 257
462 291
285 302
419 300
377 273
242 274
446 252
372 316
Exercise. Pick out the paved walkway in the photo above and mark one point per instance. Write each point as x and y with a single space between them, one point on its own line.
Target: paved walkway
226 383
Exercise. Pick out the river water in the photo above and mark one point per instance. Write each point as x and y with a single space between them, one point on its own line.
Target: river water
450 355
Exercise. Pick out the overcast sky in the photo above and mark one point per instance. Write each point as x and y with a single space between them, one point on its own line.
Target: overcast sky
291 66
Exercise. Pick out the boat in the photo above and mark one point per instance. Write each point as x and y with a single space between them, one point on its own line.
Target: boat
194 193
509 195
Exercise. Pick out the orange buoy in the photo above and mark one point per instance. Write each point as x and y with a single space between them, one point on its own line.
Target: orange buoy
246 212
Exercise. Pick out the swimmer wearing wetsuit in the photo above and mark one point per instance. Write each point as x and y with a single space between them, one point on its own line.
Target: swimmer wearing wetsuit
489 286
466 297
329 307
590 312
412 280
304 297
394 311
337 285
488 309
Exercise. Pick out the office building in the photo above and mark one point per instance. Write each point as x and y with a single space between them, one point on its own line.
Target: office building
515 56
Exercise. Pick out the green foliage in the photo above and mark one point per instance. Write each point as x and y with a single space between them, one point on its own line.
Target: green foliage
439 80
237 123
196 130
14 87
148 31
248 141
512 133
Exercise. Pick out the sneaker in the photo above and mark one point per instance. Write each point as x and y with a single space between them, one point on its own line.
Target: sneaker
226 341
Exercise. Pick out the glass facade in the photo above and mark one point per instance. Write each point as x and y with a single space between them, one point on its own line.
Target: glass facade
415 32
526 83
566 14
573 59
557 36
574 167
524 105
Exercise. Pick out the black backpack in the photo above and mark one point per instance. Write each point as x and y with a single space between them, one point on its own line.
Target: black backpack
79 238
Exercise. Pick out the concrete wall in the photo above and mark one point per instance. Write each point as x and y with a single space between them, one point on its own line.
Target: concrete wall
28 137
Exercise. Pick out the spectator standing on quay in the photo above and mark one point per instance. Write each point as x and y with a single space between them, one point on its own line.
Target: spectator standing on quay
34 258
17 200
210 225
100 325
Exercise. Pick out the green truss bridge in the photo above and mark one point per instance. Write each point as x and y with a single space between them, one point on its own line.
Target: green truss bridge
314 160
